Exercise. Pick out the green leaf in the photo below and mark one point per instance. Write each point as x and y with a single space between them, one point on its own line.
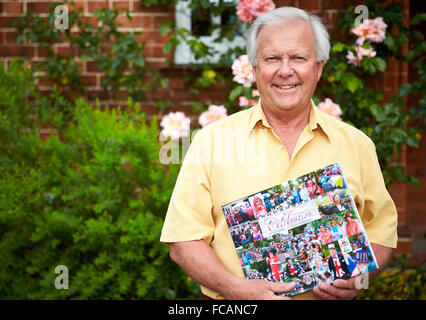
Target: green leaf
380 64
390 43
338 47
168 47
237 91
413 142
353 83
417 35
404 90
165 28
418 18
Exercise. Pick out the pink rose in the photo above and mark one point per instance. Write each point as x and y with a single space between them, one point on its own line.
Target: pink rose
247 10
331 108
213 114
243 71
244 102
175 125
371 30
244 12
360 53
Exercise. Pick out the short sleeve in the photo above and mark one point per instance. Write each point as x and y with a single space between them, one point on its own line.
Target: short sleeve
189 215
380 217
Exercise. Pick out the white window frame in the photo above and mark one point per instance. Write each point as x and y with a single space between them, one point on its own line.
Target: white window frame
183 54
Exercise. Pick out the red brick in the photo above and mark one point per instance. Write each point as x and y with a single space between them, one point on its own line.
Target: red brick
12 7
16 51
92 6
92 95
152 37
136 22
41 52
418 231
309 5
159 20
92 66
138 7
65 51
121 4
39 7
155 50
330 18
91 81
6 22
10 37
177 83
286 3
403 247
78 4
120 95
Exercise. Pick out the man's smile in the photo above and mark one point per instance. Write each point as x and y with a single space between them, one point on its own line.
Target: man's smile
286 87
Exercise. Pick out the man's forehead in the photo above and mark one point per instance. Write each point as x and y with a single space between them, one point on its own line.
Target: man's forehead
286 25
288 36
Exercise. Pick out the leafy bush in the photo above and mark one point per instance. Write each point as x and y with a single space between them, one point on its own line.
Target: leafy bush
397 283
91 197
119 55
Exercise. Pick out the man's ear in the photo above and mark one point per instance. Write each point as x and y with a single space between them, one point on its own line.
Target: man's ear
320 65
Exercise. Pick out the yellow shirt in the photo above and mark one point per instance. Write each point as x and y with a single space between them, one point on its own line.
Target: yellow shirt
241 155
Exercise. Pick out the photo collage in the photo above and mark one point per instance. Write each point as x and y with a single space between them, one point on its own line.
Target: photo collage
305 230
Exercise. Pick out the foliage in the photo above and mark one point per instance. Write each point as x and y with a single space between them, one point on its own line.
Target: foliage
92 198
397 283
119 55
391 124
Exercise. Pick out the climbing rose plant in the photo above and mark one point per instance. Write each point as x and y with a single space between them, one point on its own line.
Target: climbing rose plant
350 87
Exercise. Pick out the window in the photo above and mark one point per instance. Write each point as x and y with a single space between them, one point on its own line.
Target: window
199 22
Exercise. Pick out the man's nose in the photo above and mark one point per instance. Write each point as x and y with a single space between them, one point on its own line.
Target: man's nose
286 69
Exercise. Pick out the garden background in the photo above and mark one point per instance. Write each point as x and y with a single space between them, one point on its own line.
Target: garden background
82 109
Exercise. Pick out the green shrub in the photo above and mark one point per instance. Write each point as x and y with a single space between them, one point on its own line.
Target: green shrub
397 283
92 198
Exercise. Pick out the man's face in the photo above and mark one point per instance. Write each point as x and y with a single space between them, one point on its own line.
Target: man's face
287 71
332 252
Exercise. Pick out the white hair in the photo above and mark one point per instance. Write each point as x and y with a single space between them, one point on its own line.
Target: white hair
282 15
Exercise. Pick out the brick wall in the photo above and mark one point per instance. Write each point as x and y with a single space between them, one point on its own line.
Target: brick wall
410 201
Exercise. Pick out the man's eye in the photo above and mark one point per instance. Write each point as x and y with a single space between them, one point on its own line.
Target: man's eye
299 58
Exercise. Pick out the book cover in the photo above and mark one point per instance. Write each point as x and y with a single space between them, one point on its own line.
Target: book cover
306 230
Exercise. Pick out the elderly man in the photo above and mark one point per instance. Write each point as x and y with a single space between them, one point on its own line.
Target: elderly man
284 136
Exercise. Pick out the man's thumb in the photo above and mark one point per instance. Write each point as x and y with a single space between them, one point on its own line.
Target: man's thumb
279 287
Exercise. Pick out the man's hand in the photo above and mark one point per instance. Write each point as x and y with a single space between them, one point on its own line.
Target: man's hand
261 290
200 262
339 290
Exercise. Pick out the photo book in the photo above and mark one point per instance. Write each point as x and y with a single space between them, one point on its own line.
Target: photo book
306 230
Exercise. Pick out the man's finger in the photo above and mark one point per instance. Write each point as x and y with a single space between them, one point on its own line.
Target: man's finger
280 287
344 284
337 292
320 294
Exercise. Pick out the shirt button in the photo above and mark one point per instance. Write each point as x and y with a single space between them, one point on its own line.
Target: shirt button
281 146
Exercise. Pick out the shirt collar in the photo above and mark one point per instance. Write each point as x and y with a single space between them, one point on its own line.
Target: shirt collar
258 118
